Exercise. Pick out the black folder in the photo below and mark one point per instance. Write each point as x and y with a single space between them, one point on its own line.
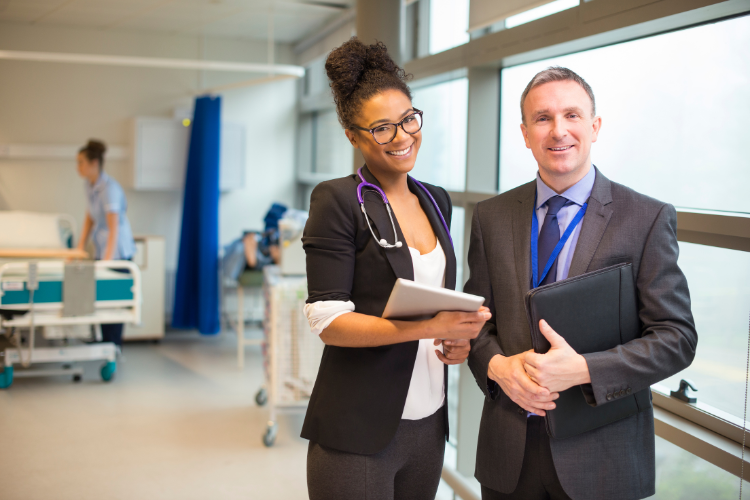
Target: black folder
593 312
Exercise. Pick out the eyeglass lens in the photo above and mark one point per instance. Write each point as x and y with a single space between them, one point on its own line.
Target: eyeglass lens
386 133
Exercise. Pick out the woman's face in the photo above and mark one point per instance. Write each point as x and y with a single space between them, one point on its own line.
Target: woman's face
399 155
88 169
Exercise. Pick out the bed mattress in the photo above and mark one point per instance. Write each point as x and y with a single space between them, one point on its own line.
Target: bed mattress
110 286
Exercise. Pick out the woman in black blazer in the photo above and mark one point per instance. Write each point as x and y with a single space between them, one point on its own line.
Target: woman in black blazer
376 420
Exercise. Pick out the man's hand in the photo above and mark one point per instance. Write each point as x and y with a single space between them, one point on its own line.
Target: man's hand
510 375
454 352
560 368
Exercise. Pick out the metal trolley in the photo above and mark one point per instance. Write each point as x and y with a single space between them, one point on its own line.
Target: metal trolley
291 351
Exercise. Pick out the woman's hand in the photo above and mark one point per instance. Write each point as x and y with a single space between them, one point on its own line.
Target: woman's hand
454 352
452 325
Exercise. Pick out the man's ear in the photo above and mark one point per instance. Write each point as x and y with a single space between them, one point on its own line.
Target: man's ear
525 136
352 137
596 125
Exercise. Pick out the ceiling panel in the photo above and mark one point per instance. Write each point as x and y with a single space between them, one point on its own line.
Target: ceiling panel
293 19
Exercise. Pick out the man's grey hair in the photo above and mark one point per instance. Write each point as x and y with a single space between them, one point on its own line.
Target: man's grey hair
557 74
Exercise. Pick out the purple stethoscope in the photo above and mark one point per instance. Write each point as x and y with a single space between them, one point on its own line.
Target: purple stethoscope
382 242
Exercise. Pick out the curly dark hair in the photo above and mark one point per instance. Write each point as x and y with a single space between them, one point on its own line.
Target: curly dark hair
358 72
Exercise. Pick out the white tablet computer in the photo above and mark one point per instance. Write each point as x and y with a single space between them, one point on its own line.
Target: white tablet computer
411 301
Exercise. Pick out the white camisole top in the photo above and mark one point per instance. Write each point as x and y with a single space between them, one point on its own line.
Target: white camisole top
427 387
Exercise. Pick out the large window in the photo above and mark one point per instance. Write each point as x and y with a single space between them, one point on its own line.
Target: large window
542 11
442 155
683 476
674 110
449 22
720 295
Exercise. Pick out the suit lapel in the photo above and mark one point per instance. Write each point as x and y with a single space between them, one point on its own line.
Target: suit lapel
399 258
522 214
594 223
439 229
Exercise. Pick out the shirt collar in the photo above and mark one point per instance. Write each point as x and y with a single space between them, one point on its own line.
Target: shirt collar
578 193
101 181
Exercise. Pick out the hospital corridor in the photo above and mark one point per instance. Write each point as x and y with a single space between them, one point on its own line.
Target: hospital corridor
374 250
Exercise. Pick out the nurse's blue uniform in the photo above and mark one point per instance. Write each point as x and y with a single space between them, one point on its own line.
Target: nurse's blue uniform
106 196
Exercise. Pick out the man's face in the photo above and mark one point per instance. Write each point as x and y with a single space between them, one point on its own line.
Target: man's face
559 127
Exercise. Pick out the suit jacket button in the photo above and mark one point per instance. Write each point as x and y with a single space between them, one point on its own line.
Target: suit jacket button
629 391
610 397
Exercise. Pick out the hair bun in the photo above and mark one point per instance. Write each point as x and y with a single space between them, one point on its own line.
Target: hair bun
347 65
96 147
357 72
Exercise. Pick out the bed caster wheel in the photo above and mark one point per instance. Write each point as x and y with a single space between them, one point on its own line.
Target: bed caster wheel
77 378
269 437
108 371
6 377
261 397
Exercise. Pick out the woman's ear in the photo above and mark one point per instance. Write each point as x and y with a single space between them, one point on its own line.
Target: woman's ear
352 136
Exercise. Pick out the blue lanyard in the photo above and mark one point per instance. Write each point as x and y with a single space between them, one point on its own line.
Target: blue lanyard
535 278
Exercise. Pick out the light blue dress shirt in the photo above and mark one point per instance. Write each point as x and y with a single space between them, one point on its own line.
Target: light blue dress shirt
106 196
578 194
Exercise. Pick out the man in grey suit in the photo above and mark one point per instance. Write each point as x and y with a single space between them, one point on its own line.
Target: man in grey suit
515 457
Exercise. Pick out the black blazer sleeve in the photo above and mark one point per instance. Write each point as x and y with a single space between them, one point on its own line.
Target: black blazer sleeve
328 241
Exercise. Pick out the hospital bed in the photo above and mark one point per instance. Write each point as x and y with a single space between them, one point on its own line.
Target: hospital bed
49 308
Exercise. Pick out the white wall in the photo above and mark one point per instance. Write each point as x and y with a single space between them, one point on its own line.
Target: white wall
270 116
53 103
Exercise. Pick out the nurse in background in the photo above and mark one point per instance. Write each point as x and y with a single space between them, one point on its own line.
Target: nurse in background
106 222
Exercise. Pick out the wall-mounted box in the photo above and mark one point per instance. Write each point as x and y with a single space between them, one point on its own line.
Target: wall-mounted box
160 151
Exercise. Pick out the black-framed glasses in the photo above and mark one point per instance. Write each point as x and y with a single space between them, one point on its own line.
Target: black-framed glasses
386 132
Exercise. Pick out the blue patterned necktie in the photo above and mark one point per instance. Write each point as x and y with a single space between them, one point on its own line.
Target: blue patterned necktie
549 236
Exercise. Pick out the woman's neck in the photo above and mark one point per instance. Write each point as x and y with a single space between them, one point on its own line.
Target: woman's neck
393 183
94 177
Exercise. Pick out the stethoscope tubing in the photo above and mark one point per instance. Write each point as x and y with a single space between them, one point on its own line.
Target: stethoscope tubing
382 242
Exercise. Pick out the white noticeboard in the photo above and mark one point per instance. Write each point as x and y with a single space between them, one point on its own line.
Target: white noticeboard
160 151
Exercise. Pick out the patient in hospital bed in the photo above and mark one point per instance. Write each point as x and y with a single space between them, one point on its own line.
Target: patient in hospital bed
255 249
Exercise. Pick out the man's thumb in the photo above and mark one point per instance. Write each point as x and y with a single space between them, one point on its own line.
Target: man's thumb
552 336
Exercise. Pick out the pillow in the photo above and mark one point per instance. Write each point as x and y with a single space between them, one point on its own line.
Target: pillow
19 229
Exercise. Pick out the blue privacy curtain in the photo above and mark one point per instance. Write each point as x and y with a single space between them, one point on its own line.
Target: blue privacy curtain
196 303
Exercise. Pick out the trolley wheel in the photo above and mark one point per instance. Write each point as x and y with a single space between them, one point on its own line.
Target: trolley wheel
77 377
108 370
261 397
6 377
269 437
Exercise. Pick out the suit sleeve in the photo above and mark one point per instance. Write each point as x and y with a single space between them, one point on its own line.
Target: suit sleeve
669 338
485 346
329 246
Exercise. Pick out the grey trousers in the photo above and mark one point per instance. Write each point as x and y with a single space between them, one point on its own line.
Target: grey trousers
407 469
538 479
